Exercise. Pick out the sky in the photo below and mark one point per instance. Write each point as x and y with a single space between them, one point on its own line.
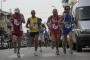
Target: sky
43 7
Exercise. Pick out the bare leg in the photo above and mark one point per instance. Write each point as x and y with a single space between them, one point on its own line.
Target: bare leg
14 39
18 46
53 41
36 42
70 41
31 41
57 44
64 44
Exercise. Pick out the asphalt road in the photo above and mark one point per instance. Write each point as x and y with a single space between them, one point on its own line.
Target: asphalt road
47 54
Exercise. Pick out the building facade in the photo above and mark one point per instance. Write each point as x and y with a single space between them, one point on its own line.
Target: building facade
5 24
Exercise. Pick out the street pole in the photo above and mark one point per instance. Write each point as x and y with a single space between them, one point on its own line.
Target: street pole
1 5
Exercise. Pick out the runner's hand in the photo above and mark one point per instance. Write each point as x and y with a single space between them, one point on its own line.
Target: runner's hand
30 26
50 28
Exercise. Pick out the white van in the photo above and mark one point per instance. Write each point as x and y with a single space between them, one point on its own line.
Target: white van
81 12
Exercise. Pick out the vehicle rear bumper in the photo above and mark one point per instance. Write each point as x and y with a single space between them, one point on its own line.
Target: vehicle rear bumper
84 39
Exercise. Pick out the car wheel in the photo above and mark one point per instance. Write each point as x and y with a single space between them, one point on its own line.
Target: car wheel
78 45
79 48
74 46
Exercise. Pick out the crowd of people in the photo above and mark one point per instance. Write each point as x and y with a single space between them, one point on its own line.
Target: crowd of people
59 26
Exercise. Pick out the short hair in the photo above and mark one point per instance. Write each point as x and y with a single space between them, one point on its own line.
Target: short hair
67 8
17 9
54 10
32 11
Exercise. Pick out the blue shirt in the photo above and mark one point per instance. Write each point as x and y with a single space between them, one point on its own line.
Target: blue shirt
68 18
68 26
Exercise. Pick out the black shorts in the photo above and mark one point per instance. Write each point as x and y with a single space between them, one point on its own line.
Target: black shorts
33 34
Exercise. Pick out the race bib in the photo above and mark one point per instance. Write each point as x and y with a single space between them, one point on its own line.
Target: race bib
55 26
34 25
68 25
17 22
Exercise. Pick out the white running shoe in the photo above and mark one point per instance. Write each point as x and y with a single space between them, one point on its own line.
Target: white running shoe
18 55
70 51
36 53
41 50
57 52
15 50
64 51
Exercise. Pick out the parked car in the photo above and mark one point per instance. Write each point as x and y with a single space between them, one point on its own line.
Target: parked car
4 45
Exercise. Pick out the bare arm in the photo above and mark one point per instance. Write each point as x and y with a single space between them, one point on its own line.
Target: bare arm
28 22
48 22
61 20
39 21
23 19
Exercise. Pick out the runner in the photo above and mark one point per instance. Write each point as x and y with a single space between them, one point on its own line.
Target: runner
46 38
53 25
17 20
33 25
41 35
67 29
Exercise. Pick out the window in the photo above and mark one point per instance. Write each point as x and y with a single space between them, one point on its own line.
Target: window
83 13
65 1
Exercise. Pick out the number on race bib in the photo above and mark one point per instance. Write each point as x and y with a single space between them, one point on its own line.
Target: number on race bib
68 25
34 25
55 26
17 22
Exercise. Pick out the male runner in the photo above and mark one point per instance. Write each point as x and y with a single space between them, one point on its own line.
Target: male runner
17 20
33 25
54 27
67 29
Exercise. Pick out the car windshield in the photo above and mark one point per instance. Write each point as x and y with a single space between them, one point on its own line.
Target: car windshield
84 13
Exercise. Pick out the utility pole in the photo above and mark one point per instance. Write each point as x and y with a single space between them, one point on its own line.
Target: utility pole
1 4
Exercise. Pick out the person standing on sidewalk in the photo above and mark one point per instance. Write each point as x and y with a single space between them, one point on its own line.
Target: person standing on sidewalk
41 35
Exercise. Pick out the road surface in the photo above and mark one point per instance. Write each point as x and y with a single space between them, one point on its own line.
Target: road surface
47 54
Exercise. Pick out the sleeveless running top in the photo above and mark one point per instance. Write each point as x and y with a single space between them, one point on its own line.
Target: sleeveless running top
34 24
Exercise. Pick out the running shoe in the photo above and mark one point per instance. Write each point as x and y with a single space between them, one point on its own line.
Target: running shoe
57 52
70 51
36 53
64 50
41 50
15 50
18 55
